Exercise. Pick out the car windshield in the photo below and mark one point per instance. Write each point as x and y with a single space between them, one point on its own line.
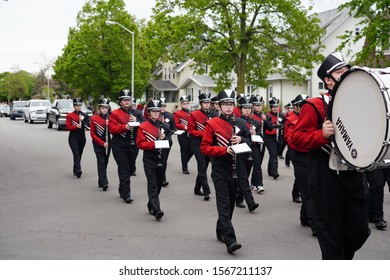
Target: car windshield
19 103
37 103
68 104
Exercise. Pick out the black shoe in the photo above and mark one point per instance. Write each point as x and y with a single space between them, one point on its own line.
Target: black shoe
134 174
252 207
297 199
281 157
287 165
158 215
381 224
233 247
240 204
276 176
185 171
105 188
151 212
128 199
165 184
78 174
206 197
305 223
198 193
221 238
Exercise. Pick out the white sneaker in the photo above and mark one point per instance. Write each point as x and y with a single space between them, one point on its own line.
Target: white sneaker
254 188
260 189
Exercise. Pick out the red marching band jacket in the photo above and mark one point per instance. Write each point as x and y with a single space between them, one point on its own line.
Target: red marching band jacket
181 119
147 134
222 131
72 120
99 129
197 122
118 121
274 120
307 134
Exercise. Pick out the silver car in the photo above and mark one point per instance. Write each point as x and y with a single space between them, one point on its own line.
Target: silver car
4 110
36 110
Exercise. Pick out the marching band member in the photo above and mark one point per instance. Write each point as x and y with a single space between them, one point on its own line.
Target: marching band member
101 141
340 197
155 160
244 165
214 104
196 124
271 138
217 139
258 115
76 122
123 141
181 122
300 160
167 117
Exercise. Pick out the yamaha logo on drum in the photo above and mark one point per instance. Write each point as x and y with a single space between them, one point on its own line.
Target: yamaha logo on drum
344 135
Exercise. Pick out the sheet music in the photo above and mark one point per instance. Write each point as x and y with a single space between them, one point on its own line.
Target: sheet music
241 148
257 139
161 144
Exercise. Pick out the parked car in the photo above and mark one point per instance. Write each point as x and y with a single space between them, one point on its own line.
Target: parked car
4 110
60 109
17 109
36 110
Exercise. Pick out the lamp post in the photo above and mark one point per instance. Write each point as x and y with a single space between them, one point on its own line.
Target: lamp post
109 22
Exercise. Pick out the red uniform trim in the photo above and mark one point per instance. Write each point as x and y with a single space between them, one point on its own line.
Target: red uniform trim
196 123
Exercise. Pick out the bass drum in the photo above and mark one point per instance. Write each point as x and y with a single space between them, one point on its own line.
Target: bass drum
360 112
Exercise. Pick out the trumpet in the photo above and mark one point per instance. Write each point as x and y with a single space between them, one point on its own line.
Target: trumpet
234 161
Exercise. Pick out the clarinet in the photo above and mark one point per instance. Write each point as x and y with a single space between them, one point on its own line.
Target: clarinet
262 133
159 151
132 142
250 127
277 123
107 136
234 162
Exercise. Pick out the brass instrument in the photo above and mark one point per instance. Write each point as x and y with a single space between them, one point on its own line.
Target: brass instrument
234 162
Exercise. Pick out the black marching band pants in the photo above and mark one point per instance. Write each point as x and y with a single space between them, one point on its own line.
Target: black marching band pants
376 182
202 164
340 207
185 150
77 143
102 162
272 147
125 159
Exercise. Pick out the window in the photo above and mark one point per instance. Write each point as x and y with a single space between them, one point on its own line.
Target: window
165 73
357 31
320 85
249 89
270 91
169 73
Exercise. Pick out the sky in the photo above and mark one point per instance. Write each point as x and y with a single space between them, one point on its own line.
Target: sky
34 32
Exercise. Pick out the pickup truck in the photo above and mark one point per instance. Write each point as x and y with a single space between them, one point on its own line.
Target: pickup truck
60 109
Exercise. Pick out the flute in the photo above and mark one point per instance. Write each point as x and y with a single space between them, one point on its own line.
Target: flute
234 162
132 142
262 133
159 151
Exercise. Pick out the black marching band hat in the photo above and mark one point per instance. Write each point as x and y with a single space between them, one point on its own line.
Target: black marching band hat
226 95
162 101
256 100
274 102
125 94
154 105
288 105
204 97
184 98
214 99
332 62
104 102
77 101
244 101
297 100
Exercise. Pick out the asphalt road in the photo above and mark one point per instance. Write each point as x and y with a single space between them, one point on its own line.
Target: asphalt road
47 213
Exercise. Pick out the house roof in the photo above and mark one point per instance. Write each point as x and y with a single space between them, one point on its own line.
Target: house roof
163 85
332 19
157 71
201 80
181 65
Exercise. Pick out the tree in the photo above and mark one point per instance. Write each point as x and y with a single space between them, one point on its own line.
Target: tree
375 16
97 58
16 85
251 38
